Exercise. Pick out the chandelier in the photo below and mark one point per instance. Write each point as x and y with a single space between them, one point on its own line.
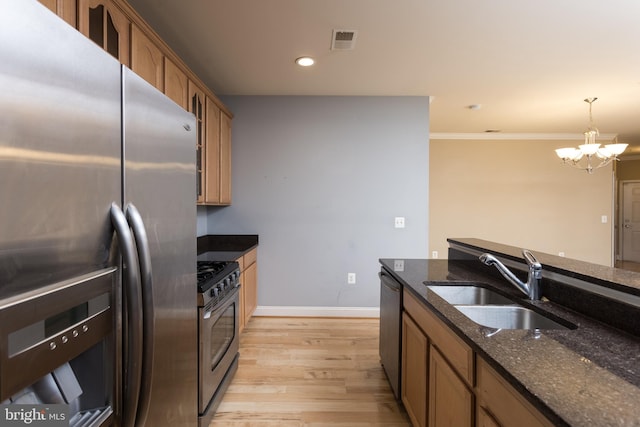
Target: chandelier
595 156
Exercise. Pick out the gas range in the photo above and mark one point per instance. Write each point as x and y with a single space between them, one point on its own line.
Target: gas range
216 279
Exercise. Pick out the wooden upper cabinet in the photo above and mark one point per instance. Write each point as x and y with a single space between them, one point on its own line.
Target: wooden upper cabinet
217 168
147 60
65 9
225 159
176 84
212 165
104 22
197 107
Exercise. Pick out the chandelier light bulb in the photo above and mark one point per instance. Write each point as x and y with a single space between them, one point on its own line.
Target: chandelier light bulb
591 149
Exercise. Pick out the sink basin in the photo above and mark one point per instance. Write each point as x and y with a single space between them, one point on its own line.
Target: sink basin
469 295
507 317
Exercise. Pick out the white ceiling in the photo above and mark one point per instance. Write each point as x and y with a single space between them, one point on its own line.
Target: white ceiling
529 64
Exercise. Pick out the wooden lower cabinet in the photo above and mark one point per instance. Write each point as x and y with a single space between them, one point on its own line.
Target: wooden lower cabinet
450 401
249 286
444 384
415 359
484 419
500 402
433 391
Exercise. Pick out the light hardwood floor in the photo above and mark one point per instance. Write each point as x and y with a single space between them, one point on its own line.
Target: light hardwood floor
309 372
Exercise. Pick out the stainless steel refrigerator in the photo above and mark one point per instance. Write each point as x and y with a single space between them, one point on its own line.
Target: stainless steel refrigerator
97 232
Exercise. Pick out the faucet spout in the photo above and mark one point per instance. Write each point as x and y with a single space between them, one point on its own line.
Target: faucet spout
532 287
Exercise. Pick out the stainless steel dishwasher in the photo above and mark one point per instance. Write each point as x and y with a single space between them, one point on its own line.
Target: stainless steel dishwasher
391 328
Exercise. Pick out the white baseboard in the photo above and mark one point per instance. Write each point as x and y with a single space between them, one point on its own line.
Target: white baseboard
289 311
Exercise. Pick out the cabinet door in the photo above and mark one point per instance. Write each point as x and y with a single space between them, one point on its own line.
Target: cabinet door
197 107
212 164
415 351
176 84
104 23
65 9
503 402
483 419
225 159
250 291
147 59
450 402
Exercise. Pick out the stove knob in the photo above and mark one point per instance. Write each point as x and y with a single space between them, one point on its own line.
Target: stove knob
215 291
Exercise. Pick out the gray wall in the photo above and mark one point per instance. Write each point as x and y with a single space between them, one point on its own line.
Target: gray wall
320 180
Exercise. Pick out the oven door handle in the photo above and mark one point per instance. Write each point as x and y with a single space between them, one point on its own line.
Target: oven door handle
146 275
133 295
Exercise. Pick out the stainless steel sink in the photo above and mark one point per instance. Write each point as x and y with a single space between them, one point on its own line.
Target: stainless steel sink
469 295
507 317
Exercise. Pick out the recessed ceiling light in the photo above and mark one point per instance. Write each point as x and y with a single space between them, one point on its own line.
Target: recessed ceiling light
474 106
305 61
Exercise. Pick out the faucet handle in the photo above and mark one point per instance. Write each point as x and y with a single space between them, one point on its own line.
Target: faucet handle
531 260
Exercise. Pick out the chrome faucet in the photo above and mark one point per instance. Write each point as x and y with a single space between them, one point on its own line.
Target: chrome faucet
532 287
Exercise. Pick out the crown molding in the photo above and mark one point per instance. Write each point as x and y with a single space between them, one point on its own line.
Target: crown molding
519 136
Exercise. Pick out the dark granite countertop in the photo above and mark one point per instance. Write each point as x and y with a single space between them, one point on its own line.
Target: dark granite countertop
225 247
588 376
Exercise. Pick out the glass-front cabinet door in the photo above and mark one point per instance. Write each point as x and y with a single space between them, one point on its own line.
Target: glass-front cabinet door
105 23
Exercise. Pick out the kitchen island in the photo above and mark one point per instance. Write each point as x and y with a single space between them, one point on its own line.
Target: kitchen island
586 375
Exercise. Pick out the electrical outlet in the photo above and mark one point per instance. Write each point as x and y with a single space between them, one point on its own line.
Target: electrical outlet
399 222
351 278
398 265
561 254
604 219
434 254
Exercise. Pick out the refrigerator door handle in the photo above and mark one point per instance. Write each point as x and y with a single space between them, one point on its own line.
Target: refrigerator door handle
133 295
144 259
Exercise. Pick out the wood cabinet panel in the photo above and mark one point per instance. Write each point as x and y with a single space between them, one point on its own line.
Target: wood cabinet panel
106 24
147 60
197 107
415 353
250 291
450 402
225 159
484 419
212 163
65 9
503 402
457 352
249 281
176 84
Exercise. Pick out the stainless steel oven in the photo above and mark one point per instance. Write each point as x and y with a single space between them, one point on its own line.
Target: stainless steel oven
218 330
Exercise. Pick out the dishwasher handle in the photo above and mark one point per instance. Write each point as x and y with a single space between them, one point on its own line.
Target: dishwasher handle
389 282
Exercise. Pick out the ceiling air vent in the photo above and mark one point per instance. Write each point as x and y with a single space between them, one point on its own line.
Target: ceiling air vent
343 39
